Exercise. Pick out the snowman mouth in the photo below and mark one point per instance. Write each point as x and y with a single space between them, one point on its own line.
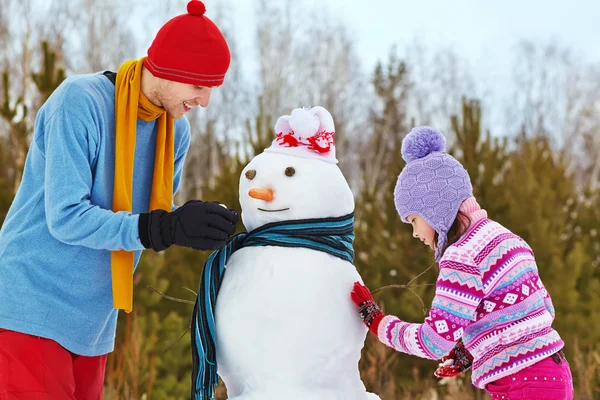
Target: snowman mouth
281 209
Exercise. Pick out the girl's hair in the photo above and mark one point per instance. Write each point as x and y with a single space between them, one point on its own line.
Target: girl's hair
457 229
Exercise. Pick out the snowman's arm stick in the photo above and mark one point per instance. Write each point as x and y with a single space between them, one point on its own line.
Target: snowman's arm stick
409 287
400 287
179 301
173 344
171 298
190 290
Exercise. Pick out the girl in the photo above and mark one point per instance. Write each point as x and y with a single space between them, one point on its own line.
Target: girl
489 303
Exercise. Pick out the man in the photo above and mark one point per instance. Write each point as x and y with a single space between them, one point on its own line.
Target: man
105 161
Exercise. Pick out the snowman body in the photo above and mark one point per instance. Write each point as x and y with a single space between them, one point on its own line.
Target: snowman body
285 324
287 328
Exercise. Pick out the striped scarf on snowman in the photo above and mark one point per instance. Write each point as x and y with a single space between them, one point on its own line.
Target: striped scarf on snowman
330 235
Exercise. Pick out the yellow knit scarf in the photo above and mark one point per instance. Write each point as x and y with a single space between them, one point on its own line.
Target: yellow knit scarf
131 104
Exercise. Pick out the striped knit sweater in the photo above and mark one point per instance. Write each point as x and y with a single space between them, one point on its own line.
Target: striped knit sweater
489 294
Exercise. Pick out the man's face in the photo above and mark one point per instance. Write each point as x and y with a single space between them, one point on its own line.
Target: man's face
178 98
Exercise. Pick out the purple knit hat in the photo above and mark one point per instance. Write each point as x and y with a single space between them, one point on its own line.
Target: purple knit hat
433 184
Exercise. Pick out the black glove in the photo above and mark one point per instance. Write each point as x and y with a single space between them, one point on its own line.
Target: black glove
196 224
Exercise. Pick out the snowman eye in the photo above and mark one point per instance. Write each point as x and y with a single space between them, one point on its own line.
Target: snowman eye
250 174
289 171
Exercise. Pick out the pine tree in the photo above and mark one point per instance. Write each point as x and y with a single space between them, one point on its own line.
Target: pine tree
50 76
379 236
6 190
14 113
386 253
482 156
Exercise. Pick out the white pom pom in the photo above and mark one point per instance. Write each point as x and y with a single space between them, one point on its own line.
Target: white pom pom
304 123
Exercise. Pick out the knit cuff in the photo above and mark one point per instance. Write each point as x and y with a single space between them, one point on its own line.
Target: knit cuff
374 328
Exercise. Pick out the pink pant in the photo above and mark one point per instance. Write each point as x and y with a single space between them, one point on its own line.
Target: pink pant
545 380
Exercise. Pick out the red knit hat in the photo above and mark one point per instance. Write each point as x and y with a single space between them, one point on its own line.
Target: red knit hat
189 49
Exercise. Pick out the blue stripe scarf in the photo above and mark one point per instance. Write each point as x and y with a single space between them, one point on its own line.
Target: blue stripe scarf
330 235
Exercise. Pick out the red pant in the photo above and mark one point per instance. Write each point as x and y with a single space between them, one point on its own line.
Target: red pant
32 367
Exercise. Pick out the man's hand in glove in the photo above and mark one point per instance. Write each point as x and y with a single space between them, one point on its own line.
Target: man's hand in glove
196 224
369 311
456 362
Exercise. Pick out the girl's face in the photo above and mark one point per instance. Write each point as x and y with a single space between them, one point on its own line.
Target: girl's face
422 230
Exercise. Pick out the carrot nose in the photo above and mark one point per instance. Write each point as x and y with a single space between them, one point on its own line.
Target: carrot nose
261 194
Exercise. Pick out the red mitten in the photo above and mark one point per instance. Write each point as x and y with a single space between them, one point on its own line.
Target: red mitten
369 311
456 362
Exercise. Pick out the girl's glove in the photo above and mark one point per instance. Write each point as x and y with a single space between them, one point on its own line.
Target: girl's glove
369 311
456 362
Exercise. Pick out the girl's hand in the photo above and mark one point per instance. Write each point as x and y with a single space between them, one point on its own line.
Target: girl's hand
369 311
456 362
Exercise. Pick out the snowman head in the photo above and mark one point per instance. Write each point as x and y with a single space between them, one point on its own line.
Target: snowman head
297 176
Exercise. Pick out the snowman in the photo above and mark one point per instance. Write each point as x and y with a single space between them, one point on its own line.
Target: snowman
283 325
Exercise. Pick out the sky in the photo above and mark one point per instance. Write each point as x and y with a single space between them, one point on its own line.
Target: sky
484 35
480 30
485 32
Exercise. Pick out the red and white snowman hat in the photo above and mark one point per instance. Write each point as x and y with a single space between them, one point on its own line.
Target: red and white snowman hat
305 133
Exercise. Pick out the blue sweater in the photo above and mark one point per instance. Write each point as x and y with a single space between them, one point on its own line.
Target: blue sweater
55 244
